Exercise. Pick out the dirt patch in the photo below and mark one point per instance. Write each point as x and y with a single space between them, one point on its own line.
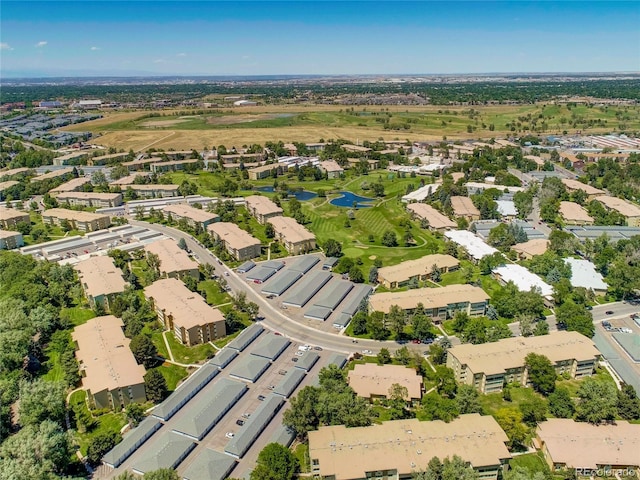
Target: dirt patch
234 119
372 257
163 123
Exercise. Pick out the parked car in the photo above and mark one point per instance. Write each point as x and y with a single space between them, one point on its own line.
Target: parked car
261 397
282 372
229 434
240 422
299 354
246 415
294 359
319 349
271 387
367 352
609 312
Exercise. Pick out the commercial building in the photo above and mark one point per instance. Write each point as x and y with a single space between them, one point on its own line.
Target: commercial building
574 185
566 443
194 216
490 366
101 280
574 214
436 220
399 448
464 207
174 262
531 248
83 221
238 243
155 191
439 303
110 374
264 171
420 269
475 247
73 185
295 238
628 210
10 218
90 199
331 168
373 381
193 321
10 240
262 208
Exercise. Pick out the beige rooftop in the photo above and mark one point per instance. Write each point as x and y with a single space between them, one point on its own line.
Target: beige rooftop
154 187
537 246
332 165
233 235
187 308
104 354
464 206
573 211
71 185
434 217
74 215
291 230
621 206
129 179
13 171
7 184
143 161
172 257
262 205
101 276
53 174
576 185
406 445
583 445
11 213
187 211
89 196
370 379
496 357
429 297
419 266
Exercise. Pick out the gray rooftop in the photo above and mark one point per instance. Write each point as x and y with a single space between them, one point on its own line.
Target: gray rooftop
483 227
245 338
289 382
307 361
630 342
342 320
614 233
249 368
332 295
283 435
304 263
254 426
303 291
131 441
209 409
223 358
261 274
359 293
337 359
273 264
209 465
282 282
167 451
246 266
271 346
318 313
330 262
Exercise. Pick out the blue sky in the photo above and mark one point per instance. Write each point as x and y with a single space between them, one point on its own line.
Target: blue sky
322 37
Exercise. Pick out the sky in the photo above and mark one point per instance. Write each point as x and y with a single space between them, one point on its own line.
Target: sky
83 38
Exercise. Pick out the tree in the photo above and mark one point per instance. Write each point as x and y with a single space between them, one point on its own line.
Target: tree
397 320
560 403
389 239
403 355
269 231
397 398
376 327
144 350
437 354
446 381
161 474
510 420
373 274
576 318
468 400
436 274
275 462
421 327
41 400
450 469
533 411
182 244
356 275
436 407
101 444
523 473
134 413
384 356
540 373
155 385
598 401
359 323
628 403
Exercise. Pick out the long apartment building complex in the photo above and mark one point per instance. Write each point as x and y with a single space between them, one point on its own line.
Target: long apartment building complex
174 262
421 269
574 185
110 374
184 312
373 381
629 211
574 214
464 207
10 240
490 366
438 303
262 208
90 199
397 449
155 191
295 237
101 280
83 221
10 218
238 243
195 217
61 172
173 166
73 185
436 220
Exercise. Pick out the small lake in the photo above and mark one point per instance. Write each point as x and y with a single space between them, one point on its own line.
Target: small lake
300 195
347 199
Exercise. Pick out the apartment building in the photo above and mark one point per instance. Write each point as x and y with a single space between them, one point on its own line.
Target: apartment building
436 220
331 168
15 172
490 366
61 172
173 166
141 163
264 171
10 240
238 243
174 262
421 268
155 191
195 217
110 374
373 381
101 280
531 248
90 199
295 237
574 214
628 210
4 186
184 312
10 218
438 303
463 207
83 221
122 182
574 185
242 157
396 449
73 185
262 208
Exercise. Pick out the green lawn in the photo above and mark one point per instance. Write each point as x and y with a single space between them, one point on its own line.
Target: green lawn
573 385
492 402
55 372
215 296
184 354
301 452
534 462
172 374
77 315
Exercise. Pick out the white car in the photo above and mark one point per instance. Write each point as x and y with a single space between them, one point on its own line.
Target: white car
367 352
229 434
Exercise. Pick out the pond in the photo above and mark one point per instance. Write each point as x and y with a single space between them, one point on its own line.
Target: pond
347 199
300 195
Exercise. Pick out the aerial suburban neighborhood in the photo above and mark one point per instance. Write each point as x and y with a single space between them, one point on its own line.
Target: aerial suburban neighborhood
331 277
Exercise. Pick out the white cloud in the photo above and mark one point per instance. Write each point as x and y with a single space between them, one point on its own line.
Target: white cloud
95 48
5 46
181 55
41 44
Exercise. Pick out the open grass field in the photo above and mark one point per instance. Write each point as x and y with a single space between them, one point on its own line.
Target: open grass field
310 123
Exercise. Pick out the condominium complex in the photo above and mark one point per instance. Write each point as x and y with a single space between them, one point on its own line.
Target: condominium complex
61 172
4 186
420 269
10 240
574 214
574 185
331 168
238 243
83 221
295 238
174 262
10 217
155 191
264 171
185 313
399 448
262 208
373 381
73 185
628 210
439 303
110 374
90 199
490 366
173 166
195 217
436 220
464 207
101 280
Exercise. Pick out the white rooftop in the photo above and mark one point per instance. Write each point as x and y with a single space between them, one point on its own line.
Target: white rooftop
507 208
523 278
584 274
421 193
475 246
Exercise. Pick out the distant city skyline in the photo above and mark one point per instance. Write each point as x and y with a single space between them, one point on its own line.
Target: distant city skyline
169 38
